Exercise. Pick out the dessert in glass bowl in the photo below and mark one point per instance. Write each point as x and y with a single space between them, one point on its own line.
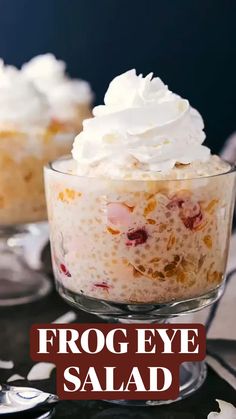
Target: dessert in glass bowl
143 211
29 138
140 218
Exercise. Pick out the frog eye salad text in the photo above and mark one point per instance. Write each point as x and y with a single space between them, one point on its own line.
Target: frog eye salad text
93 340
125 361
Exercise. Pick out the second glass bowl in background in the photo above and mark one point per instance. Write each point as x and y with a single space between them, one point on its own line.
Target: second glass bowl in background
22 201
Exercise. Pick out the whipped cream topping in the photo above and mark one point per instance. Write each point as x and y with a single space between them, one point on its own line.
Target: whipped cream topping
22 106
64 94
142 126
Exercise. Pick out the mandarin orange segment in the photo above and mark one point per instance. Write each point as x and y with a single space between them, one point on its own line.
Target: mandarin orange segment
208 241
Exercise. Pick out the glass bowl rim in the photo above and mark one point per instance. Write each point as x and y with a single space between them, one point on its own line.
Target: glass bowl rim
49 167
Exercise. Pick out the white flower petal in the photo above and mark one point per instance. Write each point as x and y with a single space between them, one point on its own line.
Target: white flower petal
68 317
41 371
15 377
6 365
227 411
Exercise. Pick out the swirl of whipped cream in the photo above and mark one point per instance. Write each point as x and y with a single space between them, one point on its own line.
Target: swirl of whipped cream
143 126
22 106
64 94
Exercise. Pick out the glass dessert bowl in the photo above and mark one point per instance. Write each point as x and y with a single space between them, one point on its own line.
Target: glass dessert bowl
30 136
139 249
140 218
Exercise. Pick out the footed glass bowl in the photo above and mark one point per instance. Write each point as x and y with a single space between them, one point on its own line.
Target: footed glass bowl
140 250
22 206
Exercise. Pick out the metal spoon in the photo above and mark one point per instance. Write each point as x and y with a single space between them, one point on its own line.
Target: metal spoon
31 401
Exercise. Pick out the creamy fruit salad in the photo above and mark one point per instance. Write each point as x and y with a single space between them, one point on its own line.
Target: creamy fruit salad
31 134
142 213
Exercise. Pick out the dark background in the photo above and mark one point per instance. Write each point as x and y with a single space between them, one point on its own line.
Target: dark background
188 43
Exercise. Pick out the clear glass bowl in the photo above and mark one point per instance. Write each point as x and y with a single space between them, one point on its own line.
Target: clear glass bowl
22 201
136 245
137 250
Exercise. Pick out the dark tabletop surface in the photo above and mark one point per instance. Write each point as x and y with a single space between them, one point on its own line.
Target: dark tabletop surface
15 323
